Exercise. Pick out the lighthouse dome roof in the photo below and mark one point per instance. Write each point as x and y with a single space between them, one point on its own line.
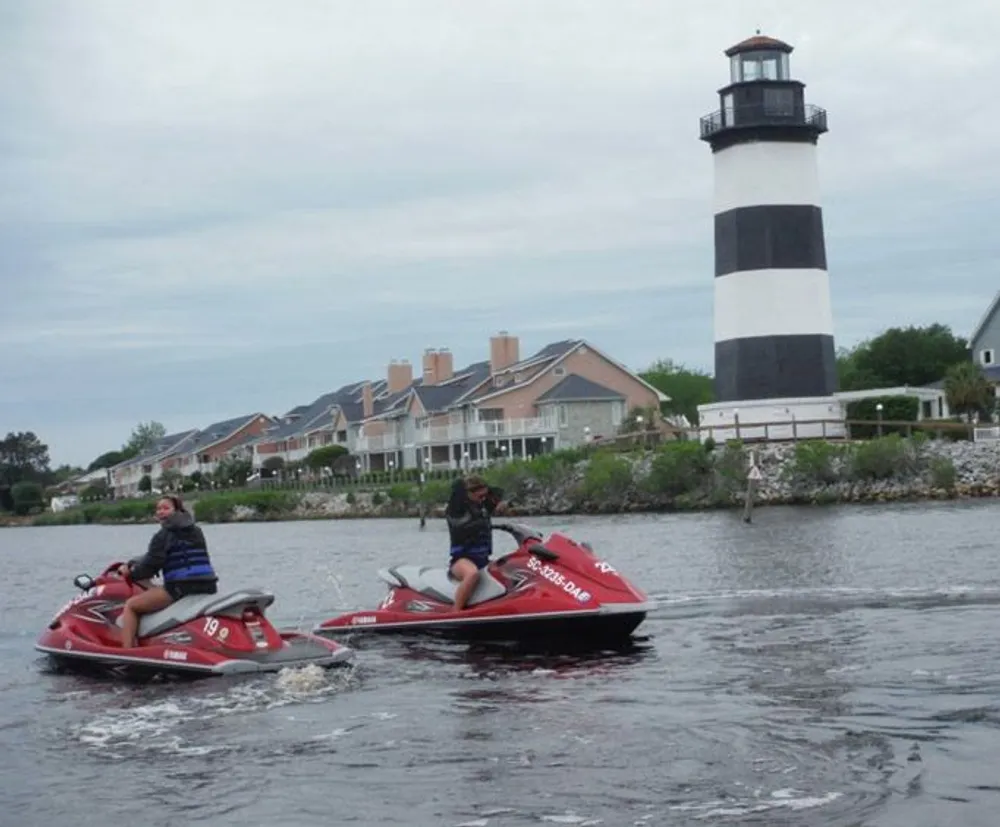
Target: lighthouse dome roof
758 41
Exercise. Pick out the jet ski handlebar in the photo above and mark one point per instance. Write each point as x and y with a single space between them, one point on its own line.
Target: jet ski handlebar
519 531
527 536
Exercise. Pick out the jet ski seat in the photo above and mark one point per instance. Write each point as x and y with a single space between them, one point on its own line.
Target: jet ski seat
198 605
438 584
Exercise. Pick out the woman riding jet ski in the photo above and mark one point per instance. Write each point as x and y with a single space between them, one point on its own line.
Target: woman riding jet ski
183 627
180 551
470 507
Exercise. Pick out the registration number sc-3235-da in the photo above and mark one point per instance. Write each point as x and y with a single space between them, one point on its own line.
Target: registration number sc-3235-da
558 578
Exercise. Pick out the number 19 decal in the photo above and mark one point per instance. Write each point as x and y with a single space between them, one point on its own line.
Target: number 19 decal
211 626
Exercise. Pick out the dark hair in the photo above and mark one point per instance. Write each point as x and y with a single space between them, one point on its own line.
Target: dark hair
175 501
475 483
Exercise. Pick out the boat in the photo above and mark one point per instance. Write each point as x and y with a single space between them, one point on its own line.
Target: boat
204 634
552 588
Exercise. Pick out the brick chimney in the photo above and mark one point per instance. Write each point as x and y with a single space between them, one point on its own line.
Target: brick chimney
439 366
367 401
400 375
445 365
430 366
504 351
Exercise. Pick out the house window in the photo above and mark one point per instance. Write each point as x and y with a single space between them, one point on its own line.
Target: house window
560 371
986 356
617 413
563 416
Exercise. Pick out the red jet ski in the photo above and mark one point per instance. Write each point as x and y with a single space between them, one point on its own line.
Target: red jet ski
556 589
205 634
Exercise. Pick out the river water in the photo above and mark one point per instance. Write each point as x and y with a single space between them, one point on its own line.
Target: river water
828 666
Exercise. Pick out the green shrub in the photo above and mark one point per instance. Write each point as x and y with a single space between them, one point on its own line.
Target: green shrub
730 469
270 504
514 477
115 511
942 473
27 497
435 492
402 492
608 479
814 462
518 477
678 468
879 459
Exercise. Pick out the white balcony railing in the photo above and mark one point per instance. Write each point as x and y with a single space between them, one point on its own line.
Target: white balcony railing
497 429
378 444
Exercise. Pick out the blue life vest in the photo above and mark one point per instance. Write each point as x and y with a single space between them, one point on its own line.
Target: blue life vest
186 561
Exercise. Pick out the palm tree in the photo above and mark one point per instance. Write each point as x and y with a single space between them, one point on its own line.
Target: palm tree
968 392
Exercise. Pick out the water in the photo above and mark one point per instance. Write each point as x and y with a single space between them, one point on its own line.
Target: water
835 666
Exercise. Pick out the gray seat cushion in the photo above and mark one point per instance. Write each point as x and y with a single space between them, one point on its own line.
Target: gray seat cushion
439 585
197 605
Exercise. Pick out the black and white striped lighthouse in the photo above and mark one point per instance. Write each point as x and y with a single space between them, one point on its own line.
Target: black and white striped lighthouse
774 346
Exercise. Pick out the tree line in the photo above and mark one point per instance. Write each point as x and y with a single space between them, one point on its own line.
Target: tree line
899 356
26 472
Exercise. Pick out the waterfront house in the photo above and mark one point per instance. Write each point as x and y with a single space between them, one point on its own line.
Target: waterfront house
125 476
220 440
562 395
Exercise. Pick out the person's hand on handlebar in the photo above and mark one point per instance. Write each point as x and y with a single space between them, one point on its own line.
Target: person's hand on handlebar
124 570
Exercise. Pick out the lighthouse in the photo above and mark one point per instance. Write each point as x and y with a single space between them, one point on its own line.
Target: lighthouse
775 363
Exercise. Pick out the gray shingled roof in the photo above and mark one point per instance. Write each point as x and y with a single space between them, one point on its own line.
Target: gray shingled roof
440 397
166 445
215 432
548 354
576 388
302 418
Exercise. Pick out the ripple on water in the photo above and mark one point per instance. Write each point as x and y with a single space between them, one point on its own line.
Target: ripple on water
192 721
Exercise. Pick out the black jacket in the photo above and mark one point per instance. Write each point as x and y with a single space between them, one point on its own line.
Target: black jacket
469 523
178 526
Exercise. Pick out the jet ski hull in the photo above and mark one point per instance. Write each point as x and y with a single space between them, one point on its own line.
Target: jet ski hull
176 660
588 627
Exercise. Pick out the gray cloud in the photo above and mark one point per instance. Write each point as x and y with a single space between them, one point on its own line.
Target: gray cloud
212 208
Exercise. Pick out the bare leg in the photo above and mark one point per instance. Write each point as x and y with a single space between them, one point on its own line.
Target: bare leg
468 574
152 600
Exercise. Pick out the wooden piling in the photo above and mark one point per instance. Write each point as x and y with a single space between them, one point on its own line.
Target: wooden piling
753 477
420 498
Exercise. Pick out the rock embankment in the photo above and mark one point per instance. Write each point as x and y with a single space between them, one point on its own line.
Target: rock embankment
676 476
885 470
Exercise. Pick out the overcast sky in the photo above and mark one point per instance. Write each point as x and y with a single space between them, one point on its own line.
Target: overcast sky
211 208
